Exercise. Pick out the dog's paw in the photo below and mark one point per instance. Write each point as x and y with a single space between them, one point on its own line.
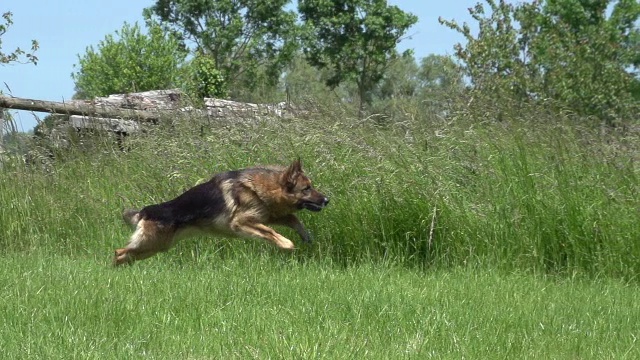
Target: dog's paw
121 257
286 244
306 237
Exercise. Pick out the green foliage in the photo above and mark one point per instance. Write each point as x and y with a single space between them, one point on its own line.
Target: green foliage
436 74
203 79
355 39
302 83
398 89
247 39
400 79
7 125
130 61
15 142
432 85
568 53
440 73
17 54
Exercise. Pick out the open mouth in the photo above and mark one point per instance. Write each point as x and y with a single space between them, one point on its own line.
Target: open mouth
312 206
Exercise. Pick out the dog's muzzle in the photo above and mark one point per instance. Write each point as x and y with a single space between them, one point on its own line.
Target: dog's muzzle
314 206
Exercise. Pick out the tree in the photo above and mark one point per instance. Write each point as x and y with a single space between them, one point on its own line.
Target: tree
576 53
129 62
17 54
302 82
436 74
203 80
440 73
355 39
400 79
245 38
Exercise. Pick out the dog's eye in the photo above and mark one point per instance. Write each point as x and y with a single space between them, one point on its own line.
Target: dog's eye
307 188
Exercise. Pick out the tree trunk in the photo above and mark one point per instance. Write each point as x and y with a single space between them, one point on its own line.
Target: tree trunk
76 108
364 93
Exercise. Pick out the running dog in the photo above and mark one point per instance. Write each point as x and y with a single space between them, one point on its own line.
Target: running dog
238 203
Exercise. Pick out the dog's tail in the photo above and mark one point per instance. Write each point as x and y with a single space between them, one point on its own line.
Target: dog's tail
131 216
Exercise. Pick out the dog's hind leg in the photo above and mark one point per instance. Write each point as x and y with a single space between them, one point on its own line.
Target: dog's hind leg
148 239
128 255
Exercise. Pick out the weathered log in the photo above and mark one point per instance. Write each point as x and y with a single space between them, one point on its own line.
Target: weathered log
112 125
77 107
162 100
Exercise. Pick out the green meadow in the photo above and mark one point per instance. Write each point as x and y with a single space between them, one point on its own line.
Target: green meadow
443 239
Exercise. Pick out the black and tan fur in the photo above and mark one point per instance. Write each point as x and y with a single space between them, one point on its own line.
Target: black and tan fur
240 202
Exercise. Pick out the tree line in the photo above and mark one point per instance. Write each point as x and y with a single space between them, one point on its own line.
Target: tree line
581 56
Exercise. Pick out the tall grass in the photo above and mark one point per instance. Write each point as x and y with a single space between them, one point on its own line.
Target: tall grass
541 196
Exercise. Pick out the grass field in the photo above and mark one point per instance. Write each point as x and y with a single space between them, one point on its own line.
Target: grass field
458 239
270 306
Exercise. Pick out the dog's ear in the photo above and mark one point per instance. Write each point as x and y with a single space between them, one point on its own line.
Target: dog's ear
297 165
291 174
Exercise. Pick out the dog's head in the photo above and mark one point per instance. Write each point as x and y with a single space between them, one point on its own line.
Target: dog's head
298 185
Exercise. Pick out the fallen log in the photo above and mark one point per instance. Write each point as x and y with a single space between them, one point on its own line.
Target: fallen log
77 107
106 124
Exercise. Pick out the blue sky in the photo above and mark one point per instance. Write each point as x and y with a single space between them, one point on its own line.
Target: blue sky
66 28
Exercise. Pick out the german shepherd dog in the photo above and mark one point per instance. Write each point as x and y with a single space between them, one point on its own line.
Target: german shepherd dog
240 202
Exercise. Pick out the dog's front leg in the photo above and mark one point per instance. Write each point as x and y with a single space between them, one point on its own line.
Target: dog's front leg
262 231
293 222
